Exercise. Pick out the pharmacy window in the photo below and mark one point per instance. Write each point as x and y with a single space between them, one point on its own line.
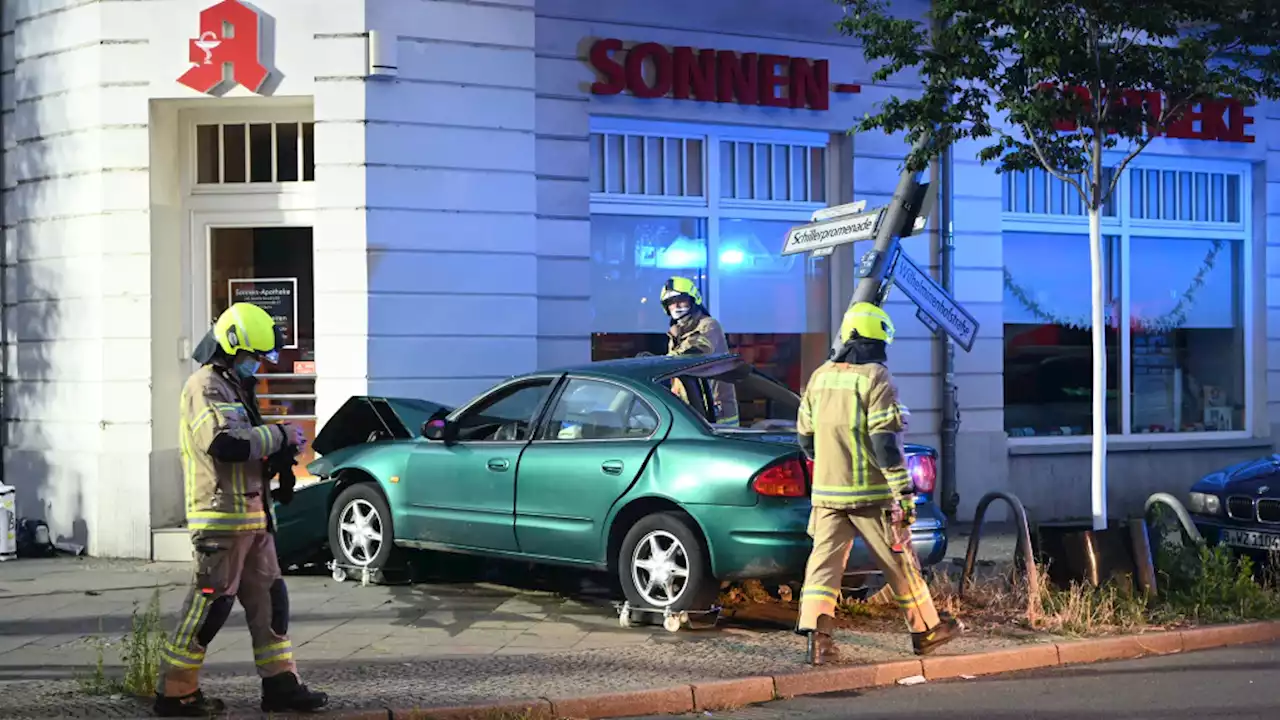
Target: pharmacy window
713 204
1175 250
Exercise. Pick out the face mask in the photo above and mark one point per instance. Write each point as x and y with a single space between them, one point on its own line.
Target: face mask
247 368
679 312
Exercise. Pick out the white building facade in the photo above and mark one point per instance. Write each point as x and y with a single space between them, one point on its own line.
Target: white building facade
432 195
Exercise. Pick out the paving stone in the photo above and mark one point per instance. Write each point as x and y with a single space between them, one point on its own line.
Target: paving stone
431 645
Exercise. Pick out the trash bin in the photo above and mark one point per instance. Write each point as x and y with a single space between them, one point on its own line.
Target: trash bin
8 523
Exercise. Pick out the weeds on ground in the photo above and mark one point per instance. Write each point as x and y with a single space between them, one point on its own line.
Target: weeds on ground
140 652
1196 584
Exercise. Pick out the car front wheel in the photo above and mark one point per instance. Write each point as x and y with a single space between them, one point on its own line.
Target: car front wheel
360 533
663 564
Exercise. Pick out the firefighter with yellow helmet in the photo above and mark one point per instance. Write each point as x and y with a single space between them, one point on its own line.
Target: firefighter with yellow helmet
228 454
694 332
851 425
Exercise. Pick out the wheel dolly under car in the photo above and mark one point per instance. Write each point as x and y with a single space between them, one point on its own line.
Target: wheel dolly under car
672 620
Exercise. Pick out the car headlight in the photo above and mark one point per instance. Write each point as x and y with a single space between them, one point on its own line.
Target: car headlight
1204 504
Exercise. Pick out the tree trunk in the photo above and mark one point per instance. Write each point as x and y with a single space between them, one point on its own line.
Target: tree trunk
1098 466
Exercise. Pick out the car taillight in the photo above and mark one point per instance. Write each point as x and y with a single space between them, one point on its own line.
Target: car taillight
785 478
923 470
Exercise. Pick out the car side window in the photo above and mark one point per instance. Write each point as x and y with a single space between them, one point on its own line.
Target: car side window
506 416
594 410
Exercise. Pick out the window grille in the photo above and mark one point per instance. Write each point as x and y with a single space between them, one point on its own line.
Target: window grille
772 171
1036 192
246 153
657 165
1185 195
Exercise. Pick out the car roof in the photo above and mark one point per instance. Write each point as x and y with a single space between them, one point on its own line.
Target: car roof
643 369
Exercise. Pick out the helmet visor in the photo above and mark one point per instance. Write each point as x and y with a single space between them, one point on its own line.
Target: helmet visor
272 356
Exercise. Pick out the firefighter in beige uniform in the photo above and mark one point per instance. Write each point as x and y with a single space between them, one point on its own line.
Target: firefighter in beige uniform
851 425
694 332
224 445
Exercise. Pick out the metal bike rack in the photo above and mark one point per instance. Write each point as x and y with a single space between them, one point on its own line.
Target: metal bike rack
1179 511
1023 548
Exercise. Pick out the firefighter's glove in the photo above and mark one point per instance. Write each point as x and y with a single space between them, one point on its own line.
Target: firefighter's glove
284 493
903 512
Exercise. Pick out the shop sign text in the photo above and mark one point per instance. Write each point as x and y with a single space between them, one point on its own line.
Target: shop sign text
1222 119
651 70
278 296
228 51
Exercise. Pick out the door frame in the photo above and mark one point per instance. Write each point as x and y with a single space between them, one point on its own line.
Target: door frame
200 248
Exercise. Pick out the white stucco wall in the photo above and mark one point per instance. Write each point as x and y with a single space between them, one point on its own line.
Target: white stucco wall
80 83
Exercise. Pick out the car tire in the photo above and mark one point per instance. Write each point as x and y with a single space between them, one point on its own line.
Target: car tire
683 557
360 512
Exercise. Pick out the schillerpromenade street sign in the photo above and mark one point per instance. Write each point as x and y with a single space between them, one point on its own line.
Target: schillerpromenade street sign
933 301
830 233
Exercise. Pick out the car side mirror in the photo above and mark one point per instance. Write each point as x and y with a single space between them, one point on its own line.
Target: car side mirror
436 429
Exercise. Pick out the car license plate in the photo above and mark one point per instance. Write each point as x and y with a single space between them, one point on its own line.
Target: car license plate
1252 540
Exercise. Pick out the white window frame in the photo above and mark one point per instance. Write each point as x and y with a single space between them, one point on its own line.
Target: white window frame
711 208
190 119
1124 227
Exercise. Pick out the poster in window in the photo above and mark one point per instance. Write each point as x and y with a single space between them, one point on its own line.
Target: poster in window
278 296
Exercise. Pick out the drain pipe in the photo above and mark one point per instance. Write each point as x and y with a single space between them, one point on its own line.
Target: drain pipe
950 498
4 296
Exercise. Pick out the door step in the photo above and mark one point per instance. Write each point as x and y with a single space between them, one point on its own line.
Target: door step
171 545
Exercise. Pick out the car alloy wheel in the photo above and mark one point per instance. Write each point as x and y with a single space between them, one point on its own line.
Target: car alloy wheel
360 532
660 568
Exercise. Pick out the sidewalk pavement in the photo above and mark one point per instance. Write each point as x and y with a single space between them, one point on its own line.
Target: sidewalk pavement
448 642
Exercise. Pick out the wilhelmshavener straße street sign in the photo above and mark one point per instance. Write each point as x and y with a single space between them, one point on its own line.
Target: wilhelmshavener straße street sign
944 312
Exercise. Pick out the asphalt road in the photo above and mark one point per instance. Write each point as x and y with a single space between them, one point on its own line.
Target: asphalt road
1239 683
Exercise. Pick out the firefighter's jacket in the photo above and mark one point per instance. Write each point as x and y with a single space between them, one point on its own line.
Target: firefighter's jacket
842 407
224 497
701 334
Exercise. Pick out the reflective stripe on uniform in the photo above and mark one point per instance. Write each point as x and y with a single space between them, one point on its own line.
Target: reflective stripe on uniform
228 521
819 591
182 658
276 652
919 594
839 381
849 494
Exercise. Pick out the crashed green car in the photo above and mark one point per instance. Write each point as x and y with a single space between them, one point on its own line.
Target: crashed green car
598 466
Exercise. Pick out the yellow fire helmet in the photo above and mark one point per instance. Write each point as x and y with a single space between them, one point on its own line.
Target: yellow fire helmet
245 327
678 286
868 321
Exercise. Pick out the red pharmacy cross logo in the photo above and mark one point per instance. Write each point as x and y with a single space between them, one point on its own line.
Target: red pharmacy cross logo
228 50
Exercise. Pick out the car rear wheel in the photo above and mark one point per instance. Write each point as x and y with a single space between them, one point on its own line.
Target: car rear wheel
662 564
360 532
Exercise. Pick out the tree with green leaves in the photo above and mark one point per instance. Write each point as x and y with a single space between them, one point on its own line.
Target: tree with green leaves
1061 85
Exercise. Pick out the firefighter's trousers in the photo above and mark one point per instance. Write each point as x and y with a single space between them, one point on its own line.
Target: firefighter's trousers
227 567
833 532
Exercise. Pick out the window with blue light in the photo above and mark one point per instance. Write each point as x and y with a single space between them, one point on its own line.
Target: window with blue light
715 208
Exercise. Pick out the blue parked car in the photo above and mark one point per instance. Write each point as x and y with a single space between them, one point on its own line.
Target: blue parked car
1239 506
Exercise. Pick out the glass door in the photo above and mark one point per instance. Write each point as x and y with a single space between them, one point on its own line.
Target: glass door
272 267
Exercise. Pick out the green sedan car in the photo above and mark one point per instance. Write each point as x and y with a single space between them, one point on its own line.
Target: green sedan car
599 466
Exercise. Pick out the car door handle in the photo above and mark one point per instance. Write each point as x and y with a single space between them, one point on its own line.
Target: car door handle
499 465
611 467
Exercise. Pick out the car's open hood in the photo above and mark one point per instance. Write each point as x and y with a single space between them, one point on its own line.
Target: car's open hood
364 419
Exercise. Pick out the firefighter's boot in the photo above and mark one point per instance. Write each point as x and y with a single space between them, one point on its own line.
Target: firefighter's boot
944 632
283 693
822 648
193 705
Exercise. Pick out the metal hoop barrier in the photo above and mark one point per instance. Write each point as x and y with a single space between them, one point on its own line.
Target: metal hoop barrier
1023 549
1179 511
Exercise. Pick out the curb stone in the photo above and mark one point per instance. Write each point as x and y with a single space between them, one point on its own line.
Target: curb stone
726 694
